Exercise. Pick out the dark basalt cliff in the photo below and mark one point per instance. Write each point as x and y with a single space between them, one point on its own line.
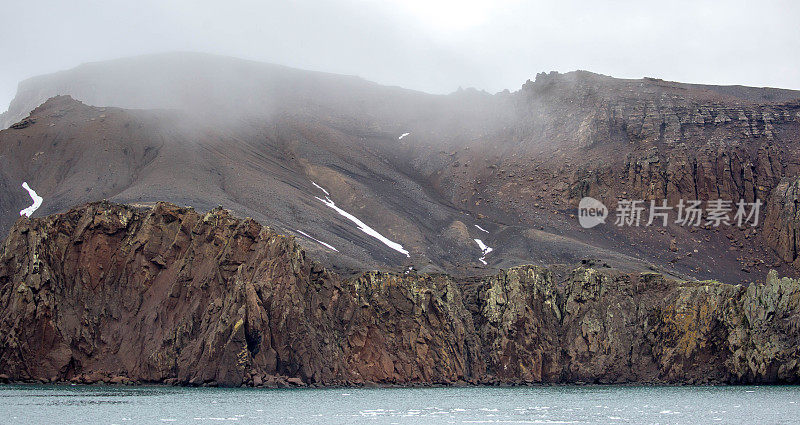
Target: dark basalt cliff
783 221
113 293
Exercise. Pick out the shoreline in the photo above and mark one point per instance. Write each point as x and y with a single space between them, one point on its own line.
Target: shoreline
367 386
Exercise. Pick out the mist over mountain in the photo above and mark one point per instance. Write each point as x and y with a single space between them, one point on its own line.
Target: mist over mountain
362 173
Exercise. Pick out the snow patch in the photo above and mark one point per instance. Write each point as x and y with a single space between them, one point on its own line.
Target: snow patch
37 201
484 250
321 188
316 240
364 228
481 229
403 135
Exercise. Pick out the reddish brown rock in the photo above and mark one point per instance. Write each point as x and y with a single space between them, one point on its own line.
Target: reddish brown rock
112 293
782 222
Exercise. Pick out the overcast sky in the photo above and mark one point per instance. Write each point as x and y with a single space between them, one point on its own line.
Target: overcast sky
429 45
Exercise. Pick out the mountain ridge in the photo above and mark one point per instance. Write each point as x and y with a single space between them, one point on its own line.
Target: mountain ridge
514 164
34 91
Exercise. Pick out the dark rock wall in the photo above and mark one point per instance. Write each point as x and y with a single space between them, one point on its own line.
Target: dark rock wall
782 225
112 293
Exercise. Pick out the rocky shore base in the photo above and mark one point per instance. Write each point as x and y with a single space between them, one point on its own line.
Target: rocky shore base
116 294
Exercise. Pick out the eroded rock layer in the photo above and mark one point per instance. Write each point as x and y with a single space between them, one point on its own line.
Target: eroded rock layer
113 293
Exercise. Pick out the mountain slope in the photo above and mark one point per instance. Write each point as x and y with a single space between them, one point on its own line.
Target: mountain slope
508 169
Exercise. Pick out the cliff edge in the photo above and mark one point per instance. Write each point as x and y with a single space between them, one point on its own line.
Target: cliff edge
115 293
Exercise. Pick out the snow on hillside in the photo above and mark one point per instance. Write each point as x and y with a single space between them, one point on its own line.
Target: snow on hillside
37 201
361 225
484 250
316 240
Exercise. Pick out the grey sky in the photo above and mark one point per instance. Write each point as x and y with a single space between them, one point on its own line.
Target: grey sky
429 45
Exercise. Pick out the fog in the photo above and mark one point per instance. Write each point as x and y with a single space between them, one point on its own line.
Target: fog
428 45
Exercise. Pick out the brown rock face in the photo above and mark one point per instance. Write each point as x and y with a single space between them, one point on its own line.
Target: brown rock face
113 293
169 295
782 224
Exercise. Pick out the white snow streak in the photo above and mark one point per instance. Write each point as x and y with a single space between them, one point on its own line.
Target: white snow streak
484 249
403 135
316 240
481 229
321 188
364 228
37 201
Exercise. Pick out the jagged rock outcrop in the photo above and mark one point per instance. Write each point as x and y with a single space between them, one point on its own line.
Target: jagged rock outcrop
671 141
782 222
170 295
113 293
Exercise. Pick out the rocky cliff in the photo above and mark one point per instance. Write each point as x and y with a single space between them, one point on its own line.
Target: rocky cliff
783 221
114 293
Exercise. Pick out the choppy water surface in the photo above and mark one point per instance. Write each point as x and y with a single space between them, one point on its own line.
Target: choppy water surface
41 404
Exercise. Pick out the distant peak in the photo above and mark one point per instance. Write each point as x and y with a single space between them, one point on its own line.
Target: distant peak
56 103
59 102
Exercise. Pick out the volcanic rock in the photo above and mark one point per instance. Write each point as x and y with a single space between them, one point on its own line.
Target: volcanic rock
114 293
259 138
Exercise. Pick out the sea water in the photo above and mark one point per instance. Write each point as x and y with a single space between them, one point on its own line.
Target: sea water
90 405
